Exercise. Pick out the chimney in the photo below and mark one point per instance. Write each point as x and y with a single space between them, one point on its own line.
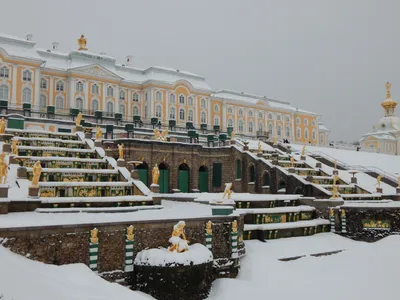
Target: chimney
29 37
55 46
128 60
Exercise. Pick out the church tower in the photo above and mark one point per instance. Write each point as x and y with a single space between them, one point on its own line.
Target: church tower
389 105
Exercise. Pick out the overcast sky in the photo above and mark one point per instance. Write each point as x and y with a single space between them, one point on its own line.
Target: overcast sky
331 57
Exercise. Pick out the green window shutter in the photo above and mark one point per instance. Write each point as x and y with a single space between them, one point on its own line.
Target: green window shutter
238 169
217 175
16 124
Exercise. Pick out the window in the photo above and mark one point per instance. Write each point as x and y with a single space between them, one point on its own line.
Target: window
59 102
190 101
321 138
158 96
297 120
135 111
230 110
43 84
216 108
278 131
4 93
203 103
314 135
250 126
135 97
60 86
43 101
122 109
278 117
260 127
181 114
95 105
240 125
110 108
181 99
172 113
95 89
146 111
238 169
4 72
27 75
250 113
306 122
270 117
313 122
122 95
190 116
287 118
260 115
26 96
158 111
287 131
203 118
298 133
216 121
79 104
306 134
110 91
146 96
79 87
270 128
172 98
230 123
240 112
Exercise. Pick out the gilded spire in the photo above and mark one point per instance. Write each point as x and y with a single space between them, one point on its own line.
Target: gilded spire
388 85
389 105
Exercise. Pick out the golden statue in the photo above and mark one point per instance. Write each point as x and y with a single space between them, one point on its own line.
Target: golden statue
178 238
343 213
331 212
292 161
129 233
378 179
335 165
259 147
227 191
303 152
14 147
2 126
37 171
275 140
3 169
121 151
398 182
155 173
233 135
94 236
99 134
234 226
78 119
335 192
209 228
158 135
388 86
335 179
82 43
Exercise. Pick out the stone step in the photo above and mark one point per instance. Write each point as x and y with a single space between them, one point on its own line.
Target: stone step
97 209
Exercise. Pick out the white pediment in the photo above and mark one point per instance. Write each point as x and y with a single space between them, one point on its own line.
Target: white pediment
96 70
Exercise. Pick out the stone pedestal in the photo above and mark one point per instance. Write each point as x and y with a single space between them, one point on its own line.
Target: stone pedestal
12 160
260 154
292 170
245 148
78 129
4 206
135 174
335 172
302 157
5 137
7 148
354 180
4 191
22 173
379 190
33 191
121 163
155 188
98 143
318 165
309 178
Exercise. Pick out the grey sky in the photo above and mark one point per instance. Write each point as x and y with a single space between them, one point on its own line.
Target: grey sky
331 57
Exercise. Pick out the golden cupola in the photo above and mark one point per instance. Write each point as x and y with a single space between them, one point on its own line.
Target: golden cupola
388 104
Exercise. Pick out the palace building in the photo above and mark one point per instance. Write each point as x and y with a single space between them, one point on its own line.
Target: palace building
94 82
385 137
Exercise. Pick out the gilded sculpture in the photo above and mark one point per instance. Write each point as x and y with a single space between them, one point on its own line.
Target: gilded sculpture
99 134
234 226
14 147
37 171
331 212
378 180
343 213
160 135
94 236
78 119
233 135
292 162
129 233
82 43
335 192
178 238
209 228
388 86
398 182
227 191
335 165
2 126
303 152
3 169
155 173
275 140
121 151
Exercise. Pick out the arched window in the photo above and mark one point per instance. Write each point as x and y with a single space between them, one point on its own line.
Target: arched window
158 111
26 96
135 97
122 95
250 113
110 108
190 101
203 118
203 103
260 115
122 109
158 96
238 169
59 102
230 110
240 112
190 116
240 125
278 117
110 91
270 130
298 133
297 120
260 126
216 108
60 86
79 87
314 135
250 126
306 134
181 99
95 105
181 114
4 72
278 131
43 84
287 131
216 121
172 98
321 138
306 122
4 93
27 75
230 123
313 122
270 117
135 111
146 111
172 113
95 89
287 118
79 104
43 101
146 96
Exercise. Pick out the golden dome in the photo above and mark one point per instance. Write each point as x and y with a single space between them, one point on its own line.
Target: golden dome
388 103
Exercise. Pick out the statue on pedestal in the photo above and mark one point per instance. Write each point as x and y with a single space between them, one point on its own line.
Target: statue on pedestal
160 135
94 239
2 126
303 152
227 191
99 134
155 174
121 151
233 135
82 43
292 162
259 150
209 228
3 169
178 238
14 147
78 119
378 179
37 171
275 140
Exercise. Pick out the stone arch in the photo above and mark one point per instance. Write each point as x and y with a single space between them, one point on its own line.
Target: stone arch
203 179
266 179
252 173
282 186
183 178
143 170
163 181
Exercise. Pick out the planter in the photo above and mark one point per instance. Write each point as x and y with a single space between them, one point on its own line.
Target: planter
118 116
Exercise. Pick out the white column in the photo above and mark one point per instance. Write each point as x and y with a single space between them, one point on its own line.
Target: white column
150 102
51 87
196 122
209 119
223 116
117 99
37 87
71 90
245 121
103 99
129 104
86 96
293 131
14 85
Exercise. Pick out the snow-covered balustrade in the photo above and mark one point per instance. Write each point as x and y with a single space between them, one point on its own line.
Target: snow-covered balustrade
64 162
42 134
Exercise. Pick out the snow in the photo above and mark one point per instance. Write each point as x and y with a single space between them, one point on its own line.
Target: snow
385 204
54 140
93 160
196 255
94 183
275 210
265 147
95 199
55 149
97 209
67 170
287 225
100 151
